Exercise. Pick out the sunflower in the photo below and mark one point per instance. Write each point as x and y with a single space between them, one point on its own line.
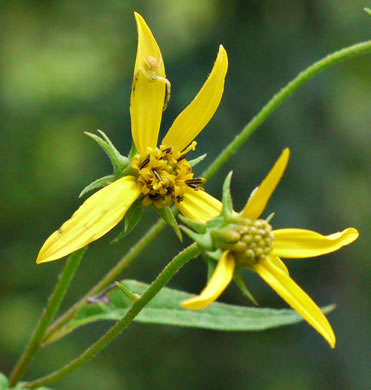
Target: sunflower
245 240
159 175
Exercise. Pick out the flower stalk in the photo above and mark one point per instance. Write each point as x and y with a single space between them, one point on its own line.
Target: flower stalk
47 316
280 97
162 279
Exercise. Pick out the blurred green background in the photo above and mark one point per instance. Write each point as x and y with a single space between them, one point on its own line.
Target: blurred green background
66 67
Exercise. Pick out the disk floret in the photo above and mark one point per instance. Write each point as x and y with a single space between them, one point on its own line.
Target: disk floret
164 175
248 240
255 243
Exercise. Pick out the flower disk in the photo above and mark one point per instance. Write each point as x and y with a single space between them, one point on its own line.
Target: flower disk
165 175
256 241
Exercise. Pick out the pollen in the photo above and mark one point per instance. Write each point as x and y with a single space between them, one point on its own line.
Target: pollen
256 241
164 175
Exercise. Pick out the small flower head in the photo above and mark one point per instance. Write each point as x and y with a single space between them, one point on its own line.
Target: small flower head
158 174
164 175
246 240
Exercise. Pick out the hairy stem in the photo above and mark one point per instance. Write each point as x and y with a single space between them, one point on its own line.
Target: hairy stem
280 97
47 316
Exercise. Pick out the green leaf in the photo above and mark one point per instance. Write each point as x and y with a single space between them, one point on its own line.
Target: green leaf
127 292
199 227
211 265
227 198
197 160
204 241
3 382
242 286
99 183
4 385
118 161
168 216
132 217
164 309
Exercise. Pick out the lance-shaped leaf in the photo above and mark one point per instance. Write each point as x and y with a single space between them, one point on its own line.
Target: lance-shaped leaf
118 161
168 216
4 385
132 217
197 160
164 309
99 183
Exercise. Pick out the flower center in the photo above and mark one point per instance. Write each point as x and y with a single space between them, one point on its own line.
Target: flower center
255 242
165 175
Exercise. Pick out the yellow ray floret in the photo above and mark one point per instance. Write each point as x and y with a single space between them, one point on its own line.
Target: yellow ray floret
218 282
94 218
199 206
301 243
160 174
197 115
148 93
288 290
258 201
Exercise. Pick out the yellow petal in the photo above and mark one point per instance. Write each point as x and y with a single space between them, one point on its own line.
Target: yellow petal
147 95
219 280
94 218
199 206
288 290
279 263
301 243
196 116
257 203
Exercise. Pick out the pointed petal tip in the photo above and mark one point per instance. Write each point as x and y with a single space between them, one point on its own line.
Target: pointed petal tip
218 282
38 260
139 20
100 213
42 258
293 294
328 334
285 156
222 52
222 57
138 16
42 261
258 200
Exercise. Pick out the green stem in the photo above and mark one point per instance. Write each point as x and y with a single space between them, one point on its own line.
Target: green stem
280 97
250 128
110 277
47 316
162 279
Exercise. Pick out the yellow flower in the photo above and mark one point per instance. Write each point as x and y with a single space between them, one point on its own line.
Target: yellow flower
161 175
249 241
